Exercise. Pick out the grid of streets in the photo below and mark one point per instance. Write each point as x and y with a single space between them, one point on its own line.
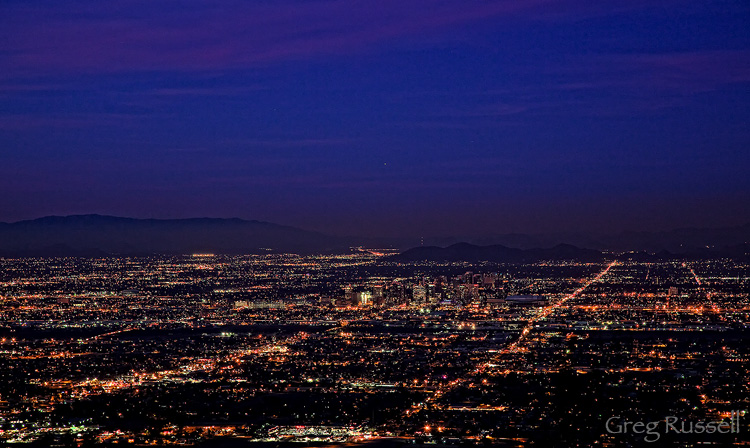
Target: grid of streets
203 349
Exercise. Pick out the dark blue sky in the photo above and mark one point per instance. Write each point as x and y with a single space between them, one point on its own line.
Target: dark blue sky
411 117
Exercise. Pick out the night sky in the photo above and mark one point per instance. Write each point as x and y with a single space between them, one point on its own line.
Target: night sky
387 117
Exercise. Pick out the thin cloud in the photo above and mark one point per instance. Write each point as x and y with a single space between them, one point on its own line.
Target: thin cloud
86 37
679 72
33 122
204 91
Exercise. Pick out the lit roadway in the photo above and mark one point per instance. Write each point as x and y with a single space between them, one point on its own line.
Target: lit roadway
546 311
513 347
711 303
695 276
111 333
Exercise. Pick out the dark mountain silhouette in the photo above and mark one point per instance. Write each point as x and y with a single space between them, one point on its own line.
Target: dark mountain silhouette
685 240
464 252
677 241
95 235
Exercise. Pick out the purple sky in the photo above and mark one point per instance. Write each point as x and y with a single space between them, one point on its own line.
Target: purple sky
379 118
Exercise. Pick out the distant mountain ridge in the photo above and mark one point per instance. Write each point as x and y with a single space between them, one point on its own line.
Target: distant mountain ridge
465 252
682 240
94 235
98 235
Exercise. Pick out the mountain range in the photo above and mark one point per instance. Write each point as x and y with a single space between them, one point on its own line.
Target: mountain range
682 240
98 235
465 252
94 235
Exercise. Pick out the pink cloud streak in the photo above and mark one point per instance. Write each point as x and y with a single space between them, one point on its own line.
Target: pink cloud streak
140 36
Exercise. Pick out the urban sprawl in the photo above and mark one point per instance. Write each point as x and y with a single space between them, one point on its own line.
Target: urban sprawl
215 350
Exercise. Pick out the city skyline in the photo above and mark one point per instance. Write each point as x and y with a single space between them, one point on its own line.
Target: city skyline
396 118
